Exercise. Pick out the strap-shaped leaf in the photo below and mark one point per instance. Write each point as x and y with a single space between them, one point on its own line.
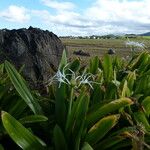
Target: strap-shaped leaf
1 68
60 105
86 146
21 136
131 77
77 116
76 120
121 145
21 87
101 128
63 61
106 109
1 147
109 142
75 65
141 119
33 119
146 105
59 139
108 69
125 90
94 64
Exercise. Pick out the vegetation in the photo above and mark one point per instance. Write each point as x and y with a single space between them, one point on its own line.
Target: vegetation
146 37
99 47
105 105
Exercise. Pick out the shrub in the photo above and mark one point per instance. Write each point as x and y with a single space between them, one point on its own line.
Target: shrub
102 106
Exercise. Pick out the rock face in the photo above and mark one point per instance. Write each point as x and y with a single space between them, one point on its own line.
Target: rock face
81 53
39 51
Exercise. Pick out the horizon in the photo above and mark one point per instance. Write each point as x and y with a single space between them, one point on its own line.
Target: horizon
123 34
77 18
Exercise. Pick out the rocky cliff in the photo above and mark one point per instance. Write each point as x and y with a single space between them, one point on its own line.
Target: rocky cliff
37 50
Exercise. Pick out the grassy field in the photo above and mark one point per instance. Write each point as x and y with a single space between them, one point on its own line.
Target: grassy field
99 47
146 37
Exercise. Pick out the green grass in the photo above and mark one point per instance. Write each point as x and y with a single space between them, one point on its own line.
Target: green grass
146 37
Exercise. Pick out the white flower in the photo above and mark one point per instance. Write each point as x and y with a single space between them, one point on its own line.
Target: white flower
77 81
135 44
60 77
85 79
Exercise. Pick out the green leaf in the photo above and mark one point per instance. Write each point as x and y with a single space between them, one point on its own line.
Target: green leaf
138 61
1 147
146 105
59 139
63 61
125 90
86 146
101 128
75 65
94 63
97 94
106 109
141 119
123 130
77 111
108 69
131 79
60 105
1 68
75 123
111 91
118 63
144 64
124 145
143 85
33 119
107 143
18 108
20 85
21 136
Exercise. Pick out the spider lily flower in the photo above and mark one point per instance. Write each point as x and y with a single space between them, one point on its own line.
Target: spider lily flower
60 77
76 81
135 44
84 79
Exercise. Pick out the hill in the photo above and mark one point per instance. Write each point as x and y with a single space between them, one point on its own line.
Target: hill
145 34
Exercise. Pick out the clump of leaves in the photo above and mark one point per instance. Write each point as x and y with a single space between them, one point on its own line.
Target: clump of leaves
102 106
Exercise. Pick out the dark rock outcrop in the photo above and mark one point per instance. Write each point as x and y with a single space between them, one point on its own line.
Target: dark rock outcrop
81 53
39 51
111 51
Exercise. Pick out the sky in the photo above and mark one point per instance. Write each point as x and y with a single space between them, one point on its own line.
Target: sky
77 17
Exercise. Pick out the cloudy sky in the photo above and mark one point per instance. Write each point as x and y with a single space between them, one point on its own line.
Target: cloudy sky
77 17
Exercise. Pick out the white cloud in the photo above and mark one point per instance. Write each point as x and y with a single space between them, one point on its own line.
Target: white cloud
101 17
118 11
60 23
15 14
58 5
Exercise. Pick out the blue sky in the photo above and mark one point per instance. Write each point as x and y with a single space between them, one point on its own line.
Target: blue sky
77 17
